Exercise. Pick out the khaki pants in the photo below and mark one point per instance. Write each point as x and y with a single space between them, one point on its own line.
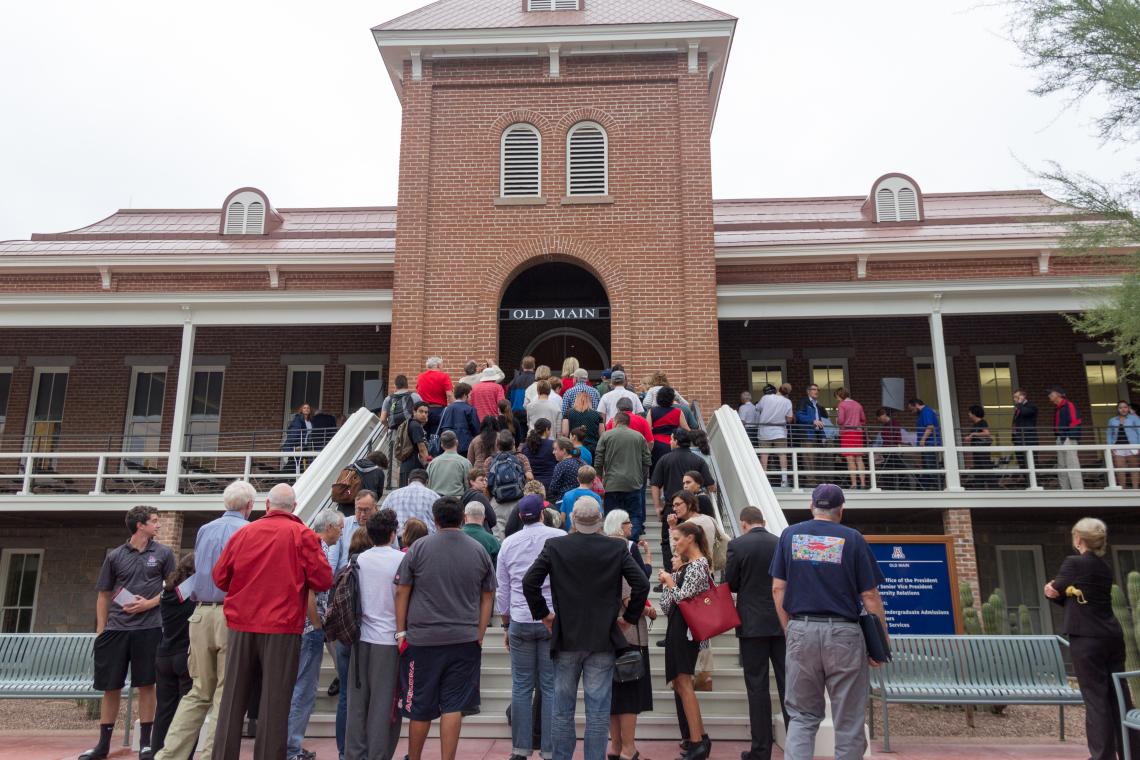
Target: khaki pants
207 666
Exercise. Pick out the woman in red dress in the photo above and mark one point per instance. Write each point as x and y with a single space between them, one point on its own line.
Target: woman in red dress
852 435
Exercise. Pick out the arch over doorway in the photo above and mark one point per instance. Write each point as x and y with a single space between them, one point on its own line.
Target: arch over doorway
555 308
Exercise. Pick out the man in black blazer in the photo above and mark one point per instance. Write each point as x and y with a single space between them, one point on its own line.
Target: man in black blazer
585 570
760 636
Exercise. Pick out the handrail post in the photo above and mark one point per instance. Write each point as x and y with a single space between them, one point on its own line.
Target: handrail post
100 470
29 470
945 411
181 407
248 468
796 471
871 469
1110 468
1031 461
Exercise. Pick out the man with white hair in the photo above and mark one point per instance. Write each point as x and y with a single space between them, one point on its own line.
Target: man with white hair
473 515
267 570
328 524
585 570
208 633
434 387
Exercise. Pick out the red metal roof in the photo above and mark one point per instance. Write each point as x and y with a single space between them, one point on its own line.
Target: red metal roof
504 14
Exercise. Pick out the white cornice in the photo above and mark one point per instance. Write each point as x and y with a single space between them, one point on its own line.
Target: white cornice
199 262
733 254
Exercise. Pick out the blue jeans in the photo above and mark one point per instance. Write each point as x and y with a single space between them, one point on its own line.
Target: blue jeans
530 666
305 690
632 502
596 670
342 653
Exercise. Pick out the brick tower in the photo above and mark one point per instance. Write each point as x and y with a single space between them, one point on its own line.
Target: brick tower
558 131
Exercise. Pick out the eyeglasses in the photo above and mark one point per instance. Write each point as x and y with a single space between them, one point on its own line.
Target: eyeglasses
628 522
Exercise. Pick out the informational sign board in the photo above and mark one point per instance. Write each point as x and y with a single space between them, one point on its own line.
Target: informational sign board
539 314
920 594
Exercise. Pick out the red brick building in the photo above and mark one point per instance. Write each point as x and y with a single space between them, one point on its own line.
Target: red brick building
555 198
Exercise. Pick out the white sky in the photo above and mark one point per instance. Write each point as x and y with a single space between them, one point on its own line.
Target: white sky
144 104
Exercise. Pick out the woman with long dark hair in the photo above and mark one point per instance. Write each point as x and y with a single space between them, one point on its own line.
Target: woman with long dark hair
681 650
539 450
663 419
484 443
170 664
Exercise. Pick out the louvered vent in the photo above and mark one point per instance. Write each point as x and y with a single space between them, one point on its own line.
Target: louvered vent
908 205
885 210
552 5
587 161
520 162
235 218
255 218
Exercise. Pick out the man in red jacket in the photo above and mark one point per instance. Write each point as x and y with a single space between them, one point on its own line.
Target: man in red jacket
267 570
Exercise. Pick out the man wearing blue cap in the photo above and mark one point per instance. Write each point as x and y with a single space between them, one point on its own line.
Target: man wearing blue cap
823 576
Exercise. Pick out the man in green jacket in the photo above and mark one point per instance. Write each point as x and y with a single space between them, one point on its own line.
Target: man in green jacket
622 460
473 526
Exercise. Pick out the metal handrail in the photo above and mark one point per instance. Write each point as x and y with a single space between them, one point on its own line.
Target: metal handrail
379 436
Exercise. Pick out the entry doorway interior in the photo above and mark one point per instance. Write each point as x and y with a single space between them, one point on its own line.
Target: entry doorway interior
547 290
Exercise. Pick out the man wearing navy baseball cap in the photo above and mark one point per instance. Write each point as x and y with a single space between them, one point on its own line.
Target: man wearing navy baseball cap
823 576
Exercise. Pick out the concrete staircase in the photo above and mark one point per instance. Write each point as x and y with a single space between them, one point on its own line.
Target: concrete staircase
725 709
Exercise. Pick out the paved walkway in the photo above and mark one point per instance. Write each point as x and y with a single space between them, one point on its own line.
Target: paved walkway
67 746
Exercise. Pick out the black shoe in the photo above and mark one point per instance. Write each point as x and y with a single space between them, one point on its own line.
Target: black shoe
334 687
145 753
517 757
661 643
94 753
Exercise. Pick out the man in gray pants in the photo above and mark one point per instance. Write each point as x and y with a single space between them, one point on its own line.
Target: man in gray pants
823 575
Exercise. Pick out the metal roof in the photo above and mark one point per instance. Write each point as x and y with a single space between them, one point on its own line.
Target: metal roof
507 14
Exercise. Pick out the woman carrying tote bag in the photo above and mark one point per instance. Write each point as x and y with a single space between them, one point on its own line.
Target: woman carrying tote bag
681 648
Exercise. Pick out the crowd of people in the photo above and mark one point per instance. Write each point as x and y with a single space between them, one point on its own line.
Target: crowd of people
497 514
776 423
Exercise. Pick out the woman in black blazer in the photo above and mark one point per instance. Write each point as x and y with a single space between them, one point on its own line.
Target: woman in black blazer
1083 586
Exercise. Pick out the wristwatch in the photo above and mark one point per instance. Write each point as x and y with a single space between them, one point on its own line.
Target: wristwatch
400 636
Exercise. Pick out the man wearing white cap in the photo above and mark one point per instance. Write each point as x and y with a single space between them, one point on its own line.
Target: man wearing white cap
585 570
487 393
607 406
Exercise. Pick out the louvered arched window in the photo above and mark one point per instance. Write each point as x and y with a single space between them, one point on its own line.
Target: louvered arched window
587 160
896 200
520 162
552 5
245 214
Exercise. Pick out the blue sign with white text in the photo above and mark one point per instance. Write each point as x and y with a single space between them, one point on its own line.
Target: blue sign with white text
918 594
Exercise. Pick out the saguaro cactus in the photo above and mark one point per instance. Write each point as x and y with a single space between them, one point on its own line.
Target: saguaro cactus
992 614
1024 620
1128 619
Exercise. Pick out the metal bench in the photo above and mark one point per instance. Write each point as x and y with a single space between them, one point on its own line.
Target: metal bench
1129 719
973 670
51 666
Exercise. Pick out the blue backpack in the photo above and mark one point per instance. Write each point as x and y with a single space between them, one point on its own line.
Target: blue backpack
506 477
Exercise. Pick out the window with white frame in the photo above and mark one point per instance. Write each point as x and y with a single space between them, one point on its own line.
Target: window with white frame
354 378
587 160
552 5
520 162
997 380
1021 576
1106 389
830 375
245 214
45 417
205 409
926 385
143 429
303 387
896 200
1125 560
20 571
5 391
762 372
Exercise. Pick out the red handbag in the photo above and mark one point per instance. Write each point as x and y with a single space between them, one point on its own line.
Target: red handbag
711 612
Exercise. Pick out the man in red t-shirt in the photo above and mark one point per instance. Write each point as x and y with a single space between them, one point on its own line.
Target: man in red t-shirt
267 570
434 386
636 421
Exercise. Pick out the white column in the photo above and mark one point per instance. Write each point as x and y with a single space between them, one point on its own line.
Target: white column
945 410
181 407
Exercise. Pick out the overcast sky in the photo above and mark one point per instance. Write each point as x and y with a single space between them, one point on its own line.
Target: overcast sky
136 103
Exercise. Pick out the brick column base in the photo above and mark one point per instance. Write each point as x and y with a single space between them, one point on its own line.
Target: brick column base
958 523
170 529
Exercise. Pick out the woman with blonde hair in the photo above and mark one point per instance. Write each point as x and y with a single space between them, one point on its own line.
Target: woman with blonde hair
569 367
1083 586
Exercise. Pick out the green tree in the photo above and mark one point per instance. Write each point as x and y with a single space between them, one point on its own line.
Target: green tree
1082 48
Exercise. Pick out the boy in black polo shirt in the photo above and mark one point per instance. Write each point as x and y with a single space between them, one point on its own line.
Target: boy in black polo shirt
129 626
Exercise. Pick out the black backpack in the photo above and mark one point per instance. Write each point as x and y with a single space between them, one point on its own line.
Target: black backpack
399 409
506 477
342 620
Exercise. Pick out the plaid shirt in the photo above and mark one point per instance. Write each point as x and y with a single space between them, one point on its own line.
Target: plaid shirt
581 386
413 500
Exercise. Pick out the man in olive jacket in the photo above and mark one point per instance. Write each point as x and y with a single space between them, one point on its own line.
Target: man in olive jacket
585 570
759 634
622 460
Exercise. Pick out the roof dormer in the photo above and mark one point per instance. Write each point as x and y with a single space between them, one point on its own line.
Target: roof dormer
247 212
896 198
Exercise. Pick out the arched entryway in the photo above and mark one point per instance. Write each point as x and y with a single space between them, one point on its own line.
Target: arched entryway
551 311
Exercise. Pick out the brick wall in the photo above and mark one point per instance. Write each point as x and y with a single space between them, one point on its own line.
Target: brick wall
651 248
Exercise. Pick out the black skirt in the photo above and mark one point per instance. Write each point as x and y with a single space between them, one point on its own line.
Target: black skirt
680 652
634 697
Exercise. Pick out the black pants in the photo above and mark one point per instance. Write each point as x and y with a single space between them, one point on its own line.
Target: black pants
1095 660
755 654
172 682
666 547
435 414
